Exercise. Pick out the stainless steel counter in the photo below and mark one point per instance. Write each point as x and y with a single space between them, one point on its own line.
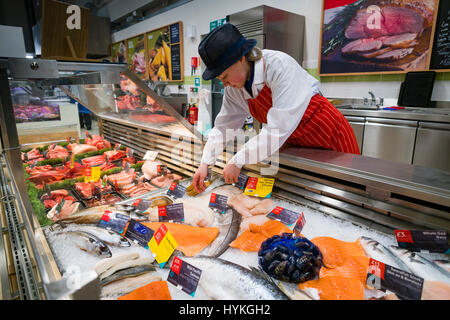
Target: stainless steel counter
417 114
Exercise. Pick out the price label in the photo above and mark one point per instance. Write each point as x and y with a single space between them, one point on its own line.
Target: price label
176 190
113 221
171 213
139 233
242 181
423 241
218 202
300 224
285 216
259 187
184 276
162 245
150 155
385 277
92 174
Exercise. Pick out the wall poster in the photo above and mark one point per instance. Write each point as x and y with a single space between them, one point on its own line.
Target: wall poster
165 53
136 55
376 36
119 52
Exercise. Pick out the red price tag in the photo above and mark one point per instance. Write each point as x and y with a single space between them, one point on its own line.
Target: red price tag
173 185
162 212
277 210
404 236
252 182
105 216
136 202
176 265
213 198
376 268
160 233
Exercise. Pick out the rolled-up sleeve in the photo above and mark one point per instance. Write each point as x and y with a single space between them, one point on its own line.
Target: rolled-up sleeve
292 89
227 125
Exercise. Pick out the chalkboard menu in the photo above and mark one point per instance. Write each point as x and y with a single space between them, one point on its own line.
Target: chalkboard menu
175 33
176 62
440 57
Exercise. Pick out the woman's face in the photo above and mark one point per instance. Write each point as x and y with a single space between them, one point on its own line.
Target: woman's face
236 75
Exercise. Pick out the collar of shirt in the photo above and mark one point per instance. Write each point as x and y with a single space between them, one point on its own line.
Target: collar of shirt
248 85
258 80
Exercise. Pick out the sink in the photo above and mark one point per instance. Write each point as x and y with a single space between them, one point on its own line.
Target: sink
357 107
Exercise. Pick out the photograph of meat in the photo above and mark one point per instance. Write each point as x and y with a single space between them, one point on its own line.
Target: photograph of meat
159 57
389 36
136 56
119 52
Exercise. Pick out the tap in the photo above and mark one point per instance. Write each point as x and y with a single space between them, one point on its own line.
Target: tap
373 102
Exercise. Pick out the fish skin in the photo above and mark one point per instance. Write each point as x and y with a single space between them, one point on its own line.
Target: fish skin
88 216
224 280
99 247
421 266
108 236
377 251
124 286
127 265
127 273
105 264
231 234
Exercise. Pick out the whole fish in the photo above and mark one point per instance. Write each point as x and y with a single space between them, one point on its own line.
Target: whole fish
88 242
127 273
106 264
108 236
126 285
133 263
228 225
224 280
377 251
88 216
421 266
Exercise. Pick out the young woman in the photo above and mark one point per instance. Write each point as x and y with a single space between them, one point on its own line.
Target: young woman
273 88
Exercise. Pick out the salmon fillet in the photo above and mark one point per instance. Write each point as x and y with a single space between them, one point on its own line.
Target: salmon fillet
251 240
336 288
336 251
156 290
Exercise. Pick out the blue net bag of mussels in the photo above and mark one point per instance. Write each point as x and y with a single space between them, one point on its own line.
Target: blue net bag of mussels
290 258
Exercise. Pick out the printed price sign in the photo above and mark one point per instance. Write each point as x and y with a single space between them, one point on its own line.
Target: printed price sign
184 276
218 202
92 174
150 155
140 206
139 233
427 241
171 213
113 221
176 190
259 187
162 245
300 224
285 216
242 181
385 277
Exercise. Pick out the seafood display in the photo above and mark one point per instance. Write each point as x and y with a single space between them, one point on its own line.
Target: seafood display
242 252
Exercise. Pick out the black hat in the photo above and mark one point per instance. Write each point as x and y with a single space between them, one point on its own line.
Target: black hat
221 48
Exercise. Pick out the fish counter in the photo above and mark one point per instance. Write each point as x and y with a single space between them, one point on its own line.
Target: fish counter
242 248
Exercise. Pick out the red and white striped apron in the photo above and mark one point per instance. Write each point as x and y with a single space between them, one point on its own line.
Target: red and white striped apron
322 125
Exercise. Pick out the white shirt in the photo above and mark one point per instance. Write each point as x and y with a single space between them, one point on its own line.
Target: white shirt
292 89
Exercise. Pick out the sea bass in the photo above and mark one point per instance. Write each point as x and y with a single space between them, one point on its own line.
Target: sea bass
224 280
108 236
127 273
87 242
421 266
377 251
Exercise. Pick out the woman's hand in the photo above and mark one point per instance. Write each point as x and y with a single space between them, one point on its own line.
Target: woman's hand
231 173
199 178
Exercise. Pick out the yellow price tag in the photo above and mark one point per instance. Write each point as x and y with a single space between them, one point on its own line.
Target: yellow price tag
162 245
259 187
92 174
